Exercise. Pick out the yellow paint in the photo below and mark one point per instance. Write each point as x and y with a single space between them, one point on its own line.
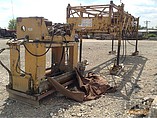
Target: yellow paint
21 83
35 65
35 27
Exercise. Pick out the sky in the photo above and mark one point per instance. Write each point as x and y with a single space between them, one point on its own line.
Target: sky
55 10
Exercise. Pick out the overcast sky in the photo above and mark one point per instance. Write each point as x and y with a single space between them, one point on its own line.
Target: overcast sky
55 10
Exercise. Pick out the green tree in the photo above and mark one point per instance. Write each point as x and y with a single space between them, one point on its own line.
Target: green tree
12 24
141 27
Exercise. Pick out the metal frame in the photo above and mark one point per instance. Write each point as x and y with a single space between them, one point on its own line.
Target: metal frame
108 19
35 39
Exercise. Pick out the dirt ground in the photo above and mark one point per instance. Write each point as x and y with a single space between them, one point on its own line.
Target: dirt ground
137 80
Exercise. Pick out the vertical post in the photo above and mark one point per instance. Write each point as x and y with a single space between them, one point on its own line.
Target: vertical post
110 11
137 35
110 19
80 57
112 43
118 51
68 12
52 60
121 9
80 35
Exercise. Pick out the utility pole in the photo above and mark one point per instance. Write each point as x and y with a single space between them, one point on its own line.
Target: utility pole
146 22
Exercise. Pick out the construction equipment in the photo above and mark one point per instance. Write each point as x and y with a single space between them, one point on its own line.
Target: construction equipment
50 51
36 37
105 19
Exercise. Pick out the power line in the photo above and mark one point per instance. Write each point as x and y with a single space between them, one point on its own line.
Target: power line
12 9
12 13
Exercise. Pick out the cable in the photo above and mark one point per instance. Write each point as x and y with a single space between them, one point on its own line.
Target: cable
130 43
18 67
17 64
1 63
122 36
130 34
124 47
125 52
59 64
67 55
42 53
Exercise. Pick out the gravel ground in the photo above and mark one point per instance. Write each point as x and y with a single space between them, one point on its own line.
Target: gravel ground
136 81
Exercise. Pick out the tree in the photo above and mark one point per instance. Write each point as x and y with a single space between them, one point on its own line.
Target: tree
141 27
12 24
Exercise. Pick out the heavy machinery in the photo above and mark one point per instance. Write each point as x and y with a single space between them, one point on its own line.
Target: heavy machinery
107 19
36 37
50 51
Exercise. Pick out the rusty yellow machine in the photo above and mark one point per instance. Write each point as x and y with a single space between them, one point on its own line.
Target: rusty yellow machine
108 19
45 50
36 37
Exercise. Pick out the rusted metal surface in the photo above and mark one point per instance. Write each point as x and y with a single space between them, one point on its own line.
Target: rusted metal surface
90 87
53 90
65 80
93 85
139 112
76 95
116 69
135 53
141 109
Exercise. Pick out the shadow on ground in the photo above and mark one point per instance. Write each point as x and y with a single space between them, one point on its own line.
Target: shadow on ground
127 79
53 105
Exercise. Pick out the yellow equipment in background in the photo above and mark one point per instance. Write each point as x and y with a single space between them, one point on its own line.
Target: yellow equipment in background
44 50
105 20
